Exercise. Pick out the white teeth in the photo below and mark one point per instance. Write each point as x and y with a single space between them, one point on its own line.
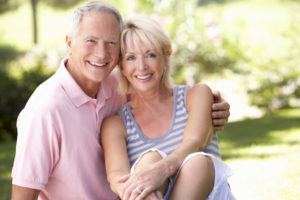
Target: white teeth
97 64
144 77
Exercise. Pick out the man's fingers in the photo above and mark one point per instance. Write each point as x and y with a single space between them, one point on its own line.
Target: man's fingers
217 96
221 114
221 106
219 122
218 128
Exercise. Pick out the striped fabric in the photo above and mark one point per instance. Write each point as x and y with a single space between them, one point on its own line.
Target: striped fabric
137 143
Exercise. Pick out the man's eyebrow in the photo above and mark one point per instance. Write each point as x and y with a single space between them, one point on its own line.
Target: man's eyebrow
91 37
113 40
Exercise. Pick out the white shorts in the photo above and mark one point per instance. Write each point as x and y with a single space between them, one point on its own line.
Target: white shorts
221 189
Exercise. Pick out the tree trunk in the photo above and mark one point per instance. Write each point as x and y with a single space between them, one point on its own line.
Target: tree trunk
34 21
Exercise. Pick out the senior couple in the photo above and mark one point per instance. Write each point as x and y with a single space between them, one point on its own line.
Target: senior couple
80 137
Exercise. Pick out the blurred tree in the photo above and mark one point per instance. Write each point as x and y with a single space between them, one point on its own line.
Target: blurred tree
7 5
7 54
198 43
204 46
60 4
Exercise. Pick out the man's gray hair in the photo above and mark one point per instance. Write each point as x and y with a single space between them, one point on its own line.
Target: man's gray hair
93 6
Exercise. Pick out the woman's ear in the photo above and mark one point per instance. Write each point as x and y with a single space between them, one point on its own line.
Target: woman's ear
167 60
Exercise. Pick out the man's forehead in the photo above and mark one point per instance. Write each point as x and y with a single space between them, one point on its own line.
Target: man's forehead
100 24
112 39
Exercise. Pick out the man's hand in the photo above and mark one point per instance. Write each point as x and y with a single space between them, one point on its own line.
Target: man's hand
220 111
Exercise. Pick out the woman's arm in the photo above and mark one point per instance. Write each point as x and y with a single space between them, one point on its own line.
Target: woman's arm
197 135
199 129
113 139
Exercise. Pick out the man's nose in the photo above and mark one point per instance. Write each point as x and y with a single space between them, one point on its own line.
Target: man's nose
101 51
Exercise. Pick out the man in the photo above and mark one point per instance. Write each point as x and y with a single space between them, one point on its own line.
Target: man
58 155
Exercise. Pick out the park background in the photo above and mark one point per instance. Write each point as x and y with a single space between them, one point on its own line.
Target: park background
247 49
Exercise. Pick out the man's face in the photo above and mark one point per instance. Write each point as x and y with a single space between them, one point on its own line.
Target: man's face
94 50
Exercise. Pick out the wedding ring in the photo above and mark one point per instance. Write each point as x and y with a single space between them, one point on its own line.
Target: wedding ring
139 190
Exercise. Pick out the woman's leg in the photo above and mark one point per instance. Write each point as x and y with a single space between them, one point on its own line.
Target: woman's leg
195 180
147 159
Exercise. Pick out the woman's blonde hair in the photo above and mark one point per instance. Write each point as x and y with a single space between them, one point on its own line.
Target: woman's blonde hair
143 28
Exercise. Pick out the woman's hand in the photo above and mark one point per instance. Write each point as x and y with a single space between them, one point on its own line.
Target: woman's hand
144 184
220 111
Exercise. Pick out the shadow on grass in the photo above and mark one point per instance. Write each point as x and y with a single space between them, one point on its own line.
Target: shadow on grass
7 153
250 132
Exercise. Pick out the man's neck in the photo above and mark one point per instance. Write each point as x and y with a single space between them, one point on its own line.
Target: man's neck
90 88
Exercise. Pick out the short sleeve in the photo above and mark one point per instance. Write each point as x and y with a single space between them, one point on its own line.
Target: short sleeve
37 148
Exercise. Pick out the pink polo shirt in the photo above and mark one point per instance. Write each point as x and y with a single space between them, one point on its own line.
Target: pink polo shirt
58 150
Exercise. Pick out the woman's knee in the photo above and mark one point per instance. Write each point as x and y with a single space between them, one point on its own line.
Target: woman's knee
148 158
201 168
198 162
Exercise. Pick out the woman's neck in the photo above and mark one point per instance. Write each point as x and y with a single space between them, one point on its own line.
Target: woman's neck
151 99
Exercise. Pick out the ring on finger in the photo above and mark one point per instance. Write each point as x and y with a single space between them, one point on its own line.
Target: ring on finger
138 190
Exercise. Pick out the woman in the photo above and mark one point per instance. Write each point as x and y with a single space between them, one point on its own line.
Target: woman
151 137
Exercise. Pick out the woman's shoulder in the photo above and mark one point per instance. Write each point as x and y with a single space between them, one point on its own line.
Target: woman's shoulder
200 91
199 88
112 120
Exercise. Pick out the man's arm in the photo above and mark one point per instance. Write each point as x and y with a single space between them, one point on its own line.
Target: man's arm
220 111
24 193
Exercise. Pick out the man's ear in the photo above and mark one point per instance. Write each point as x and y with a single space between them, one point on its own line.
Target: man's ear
68 43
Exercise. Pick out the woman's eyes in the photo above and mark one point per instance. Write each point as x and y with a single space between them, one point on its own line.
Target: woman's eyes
130 57
148 55
152 55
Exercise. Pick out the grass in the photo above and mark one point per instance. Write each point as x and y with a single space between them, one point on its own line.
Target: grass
264 153
7 152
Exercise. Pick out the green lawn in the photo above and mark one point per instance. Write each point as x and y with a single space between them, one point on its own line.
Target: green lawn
7 152
264 153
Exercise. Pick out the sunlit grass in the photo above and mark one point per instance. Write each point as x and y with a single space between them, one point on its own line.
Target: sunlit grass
265 156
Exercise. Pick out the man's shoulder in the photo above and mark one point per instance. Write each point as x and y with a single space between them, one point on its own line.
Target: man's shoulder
46 96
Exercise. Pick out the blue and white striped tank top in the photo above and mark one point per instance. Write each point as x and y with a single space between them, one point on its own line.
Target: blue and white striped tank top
137 143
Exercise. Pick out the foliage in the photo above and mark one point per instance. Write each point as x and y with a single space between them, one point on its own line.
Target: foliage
61 4
7 5
7 54
198 44
16 90
278 84
256 40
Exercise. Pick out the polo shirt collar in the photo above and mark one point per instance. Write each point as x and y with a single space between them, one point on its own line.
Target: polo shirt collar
75 93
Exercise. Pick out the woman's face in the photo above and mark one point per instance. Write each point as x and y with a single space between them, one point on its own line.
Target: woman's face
143 66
